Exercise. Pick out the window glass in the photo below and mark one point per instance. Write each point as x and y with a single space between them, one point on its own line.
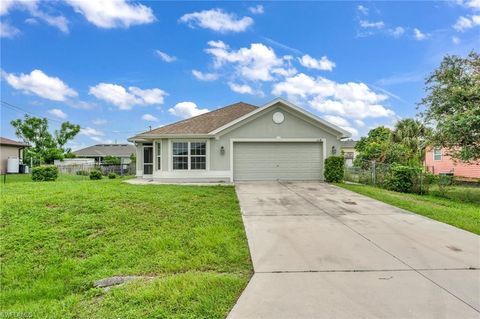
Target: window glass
198 162
159 155
180 162
437 154
198 149
180 148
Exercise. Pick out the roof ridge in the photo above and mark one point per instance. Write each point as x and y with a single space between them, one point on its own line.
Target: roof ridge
199 115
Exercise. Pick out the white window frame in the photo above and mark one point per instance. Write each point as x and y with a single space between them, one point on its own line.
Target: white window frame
434 155
158 156
189 156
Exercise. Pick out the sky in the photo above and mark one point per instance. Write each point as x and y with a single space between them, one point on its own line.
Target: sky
117 68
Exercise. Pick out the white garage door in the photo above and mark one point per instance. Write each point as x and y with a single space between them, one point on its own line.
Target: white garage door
277 161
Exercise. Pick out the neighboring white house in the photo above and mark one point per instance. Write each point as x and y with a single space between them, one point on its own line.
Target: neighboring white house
278 141
349 152
10 149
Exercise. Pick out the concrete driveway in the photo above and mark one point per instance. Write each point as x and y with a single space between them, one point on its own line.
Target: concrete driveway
320 251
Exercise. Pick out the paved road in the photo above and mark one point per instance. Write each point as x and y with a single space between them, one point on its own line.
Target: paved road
320 251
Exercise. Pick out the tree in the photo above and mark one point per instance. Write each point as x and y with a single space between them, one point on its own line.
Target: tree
45 147
453 106
112 160
412 135
377 146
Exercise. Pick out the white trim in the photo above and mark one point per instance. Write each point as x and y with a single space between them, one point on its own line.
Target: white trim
155 154
288 104
277 140
188 141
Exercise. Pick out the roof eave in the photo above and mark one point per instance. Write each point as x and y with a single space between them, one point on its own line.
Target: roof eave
147 137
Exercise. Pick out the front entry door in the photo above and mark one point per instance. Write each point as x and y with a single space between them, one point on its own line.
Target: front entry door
147 160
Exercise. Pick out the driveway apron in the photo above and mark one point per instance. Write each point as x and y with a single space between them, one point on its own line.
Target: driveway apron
320 251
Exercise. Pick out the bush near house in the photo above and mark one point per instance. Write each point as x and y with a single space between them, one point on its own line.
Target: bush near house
95 175
112 175
334 169
44 173
408 179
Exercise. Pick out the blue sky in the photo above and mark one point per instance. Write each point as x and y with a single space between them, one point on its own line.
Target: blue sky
117 67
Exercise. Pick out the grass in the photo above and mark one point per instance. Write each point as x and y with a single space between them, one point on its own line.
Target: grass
26 178
58 238
455 211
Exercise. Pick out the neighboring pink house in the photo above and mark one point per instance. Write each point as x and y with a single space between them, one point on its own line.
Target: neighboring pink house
438 162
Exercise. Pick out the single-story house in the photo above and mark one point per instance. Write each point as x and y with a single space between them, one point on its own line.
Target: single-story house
349 152
438 162
278 141
100 151
12 149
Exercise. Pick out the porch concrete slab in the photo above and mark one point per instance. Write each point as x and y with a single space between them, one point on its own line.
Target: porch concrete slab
463 283
391 294
311 243
420 242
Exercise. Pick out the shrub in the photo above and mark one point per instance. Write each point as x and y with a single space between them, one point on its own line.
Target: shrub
112 175
82 173
408 179
95 174
334 169
44 173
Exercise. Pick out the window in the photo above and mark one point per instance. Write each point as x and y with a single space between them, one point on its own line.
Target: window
159 155
437 154
189 155
180 155
198 152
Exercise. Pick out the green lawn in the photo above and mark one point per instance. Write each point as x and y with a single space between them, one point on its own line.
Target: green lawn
458 210
58 238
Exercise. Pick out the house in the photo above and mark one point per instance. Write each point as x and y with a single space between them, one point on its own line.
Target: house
278 141
438 162
10 149
348 149
100 151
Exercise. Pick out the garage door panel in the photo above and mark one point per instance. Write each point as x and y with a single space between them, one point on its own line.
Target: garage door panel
277 160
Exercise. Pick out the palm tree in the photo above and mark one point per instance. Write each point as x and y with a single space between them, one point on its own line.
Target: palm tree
412 134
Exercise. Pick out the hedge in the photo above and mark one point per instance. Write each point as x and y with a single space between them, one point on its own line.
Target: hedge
95 174
44 173
334 169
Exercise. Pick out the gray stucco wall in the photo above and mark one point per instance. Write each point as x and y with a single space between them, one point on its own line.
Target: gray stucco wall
263 127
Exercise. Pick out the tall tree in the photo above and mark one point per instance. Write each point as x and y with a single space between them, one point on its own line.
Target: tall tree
453 106
45 147
412 134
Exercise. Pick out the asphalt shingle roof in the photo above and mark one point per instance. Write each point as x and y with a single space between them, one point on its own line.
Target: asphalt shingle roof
119 150
7 141
207 122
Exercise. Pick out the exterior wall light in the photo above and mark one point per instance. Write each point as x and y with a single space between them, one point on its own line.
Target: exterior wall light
222 150
334 150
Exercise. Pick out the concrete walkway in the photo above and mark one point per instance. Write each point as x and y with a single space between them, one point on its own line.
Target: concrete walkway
320 251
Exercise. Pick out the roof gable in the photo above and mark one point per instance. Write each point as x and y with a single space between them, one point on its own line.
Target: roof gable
120 150
313 118
7 141
205 123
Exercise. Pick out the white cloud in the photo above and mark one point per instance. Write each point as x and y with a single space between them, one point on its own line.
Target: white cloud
125 99
397 32
149 118
204 76
419 35
472 4
360 123
217 20
32 6
8 31
243 89
455 40
362 9
375 25
83 105
165 57
257 63
113 13
39 83
186 110
258 9
322 64
342 123
57 113
355 100
99 122
464 23
92 133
